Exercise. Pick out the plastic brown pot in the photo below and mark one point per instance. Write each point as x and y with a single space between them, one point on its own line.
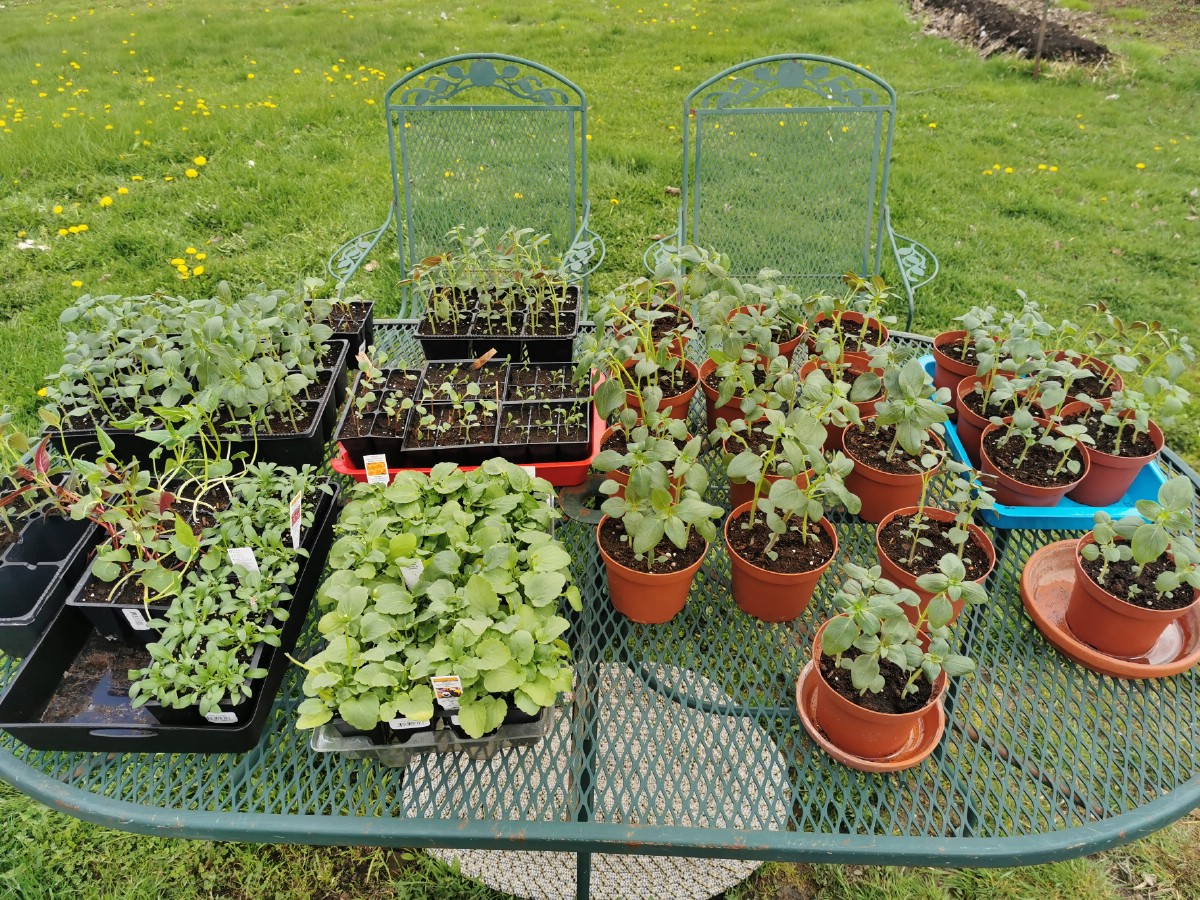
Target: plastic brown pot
882 492
644 596
1108 623
970 424
894 572
876 333
859 731
676 406
773 596
833 433
730 412
949 370
1108 477
1011 492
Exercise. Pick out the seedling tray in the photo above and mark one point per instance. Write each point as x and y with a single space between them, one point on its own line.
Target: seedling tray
109 722
1067 515
518 345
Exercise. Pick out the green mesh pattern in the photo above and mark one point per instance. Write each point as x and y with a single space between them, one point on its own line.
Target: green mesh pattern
1034 746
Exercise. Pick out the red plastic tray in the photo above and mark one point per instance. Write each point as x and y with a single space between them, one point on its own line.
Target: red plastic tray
559 474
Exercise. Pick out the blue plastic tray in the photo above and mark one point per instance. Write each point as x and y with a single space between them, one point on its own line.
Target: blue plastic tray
1067 515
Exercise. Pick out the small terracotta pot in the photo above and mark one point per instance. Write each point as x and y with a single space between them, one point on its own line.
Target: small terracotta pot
876 333
860 731
730 412
1109 477
677 406
970 424
833 433
949 370
1111 625
1011 492
767 595
894 572
644 596
882 492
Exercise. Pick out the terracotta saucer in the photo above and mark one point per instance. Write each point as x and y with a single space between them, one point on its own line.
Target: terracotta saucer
1046 588
921 742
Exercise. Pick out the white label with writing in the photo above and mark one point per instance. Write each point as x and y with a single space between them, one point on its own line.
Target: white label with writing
454 720
244 557
407 724
412 574
377 468
222 718
135 618
295 514
447 689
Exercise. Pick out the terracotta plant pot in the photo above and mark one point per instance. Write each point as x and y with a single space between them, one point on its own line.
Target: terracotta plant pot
970 424
859 731
949 370
882 492
833 434
786 348
1111 625
1011 492
876 332
893 571
730 412
767 595
1108 477
676 406
644 596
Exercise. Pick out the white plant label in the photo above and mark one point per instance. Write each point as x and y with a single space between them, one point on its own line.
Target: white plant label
244 557
407 724
295 515
412 574
377 468
447 689
136 620
454 720
222 718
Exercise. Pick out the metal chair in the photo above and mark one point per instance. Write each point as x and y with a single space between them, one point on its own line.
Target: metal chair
785 166
482 139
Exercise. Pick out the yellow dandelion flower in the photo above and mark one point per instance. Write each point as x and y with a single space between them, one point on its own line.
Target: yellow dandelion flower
108 128
190 251
1008 170
58 210
135 178
996 165
615 202
1041 167
198 270
168 178
41 392
1141 165
82 228
933 124
517 195
588 136
149 78
192 173
250 76
1083 128
200 256
679 68
295 71
75 284
449 174
177 261
21 234
753 155
1054 168
182 269
74 229
987 171
106 201
201 160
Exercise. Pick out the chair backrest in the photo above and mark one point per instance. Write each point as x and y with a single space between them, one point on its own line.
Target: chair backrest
485 140
786 167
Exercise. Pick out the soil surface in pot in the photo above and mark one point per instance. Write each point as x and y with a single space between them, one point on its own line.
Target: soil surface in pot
670 558
794 554
494 319
1039 463
546 327
897 544
856 335
973 400
676 382
1105 436
460 375
713 380
871 447
670 323
448 430
347 318
276 423
511 433
97 683
889 699
954 350
1121 577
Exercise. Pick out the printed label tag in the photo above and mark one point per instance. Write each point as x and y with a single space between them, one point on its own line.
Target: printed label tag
454 720
377 468
412 574
447 689
406 724
297 503
135 618
244 557
221 718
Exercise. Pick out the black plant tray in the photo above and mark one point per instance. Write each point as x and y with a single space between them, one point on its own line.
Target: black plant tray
36 574
365 335
517 346
127 622
109 722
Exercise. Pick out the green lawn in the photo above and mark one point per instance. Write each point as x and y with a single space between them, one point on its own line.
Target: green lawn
253 136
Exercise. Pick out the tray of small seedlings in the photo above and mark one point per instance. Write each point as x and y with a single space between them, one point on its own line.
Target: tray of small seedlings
466 411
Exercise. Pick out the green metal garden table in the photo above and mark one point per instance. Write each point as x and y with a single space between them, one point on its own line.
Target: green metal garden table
683 739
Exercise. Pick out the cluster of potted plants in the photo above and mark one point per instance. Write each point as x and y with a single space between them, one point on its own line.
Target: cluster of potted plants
442 610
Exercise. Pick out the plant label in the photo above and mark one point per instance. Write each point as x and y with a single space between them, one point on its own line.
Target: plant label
222 718
406 724
447 689
244 557
412 574
136 620
377 468
294 511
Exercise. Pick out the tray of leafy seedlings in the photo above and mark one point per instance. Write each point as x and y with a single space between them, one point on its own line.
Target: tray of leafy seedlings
351 319
504 296
253 371
207 681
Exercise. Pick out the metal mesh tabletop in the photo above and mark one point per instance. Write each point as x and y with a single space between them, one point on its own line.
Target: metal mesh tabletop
684 739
